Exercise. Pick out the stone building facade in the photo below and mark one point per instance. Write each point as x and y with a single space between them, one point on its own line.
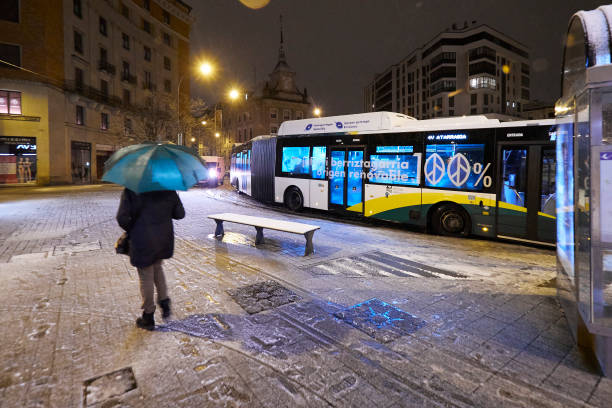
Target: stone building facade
76 73
261 111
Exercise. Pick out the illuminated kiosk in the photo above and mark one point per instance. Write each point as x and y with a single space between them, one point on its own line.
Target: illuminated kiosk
584 183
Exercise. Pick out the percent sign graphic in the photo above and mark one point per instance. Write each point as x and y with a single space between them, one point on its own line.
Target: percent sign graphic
486 180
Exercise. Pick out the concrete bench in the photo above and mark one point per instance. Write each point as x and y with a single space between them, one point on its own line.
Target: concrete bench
260 223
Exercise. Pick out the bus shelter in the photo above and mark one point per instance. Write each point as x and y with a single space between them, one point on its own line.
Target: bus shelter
584 183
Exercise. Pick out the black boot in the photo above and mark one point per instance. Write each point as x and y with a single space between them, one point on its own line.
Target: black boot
165 306
146 322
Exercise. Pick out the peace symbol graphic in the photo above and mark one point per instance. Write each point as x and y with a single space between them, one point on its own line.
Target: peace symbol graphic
434 169
459 170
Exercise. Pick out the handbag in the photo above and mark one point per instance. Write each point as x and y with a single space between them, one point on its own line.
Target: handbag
122 246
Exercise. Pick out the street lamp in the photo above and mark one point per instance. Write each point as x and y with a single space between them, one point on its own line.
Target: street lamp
206 69
233 94
317 112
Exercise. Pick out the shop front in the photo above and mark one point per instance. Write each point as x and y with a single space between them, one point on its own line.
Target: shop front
81 162
17 160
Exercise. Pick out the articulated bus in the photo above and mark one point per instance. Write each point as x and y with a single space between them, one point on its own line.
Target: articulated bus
454 176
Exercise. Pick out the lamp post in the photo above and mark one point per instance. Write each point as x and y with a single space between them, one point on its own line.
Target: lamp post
206 69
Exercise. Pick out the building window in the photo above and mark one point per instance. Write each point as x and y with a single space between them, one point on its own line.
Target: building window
250 133
10 102
80 115
483 82
78 78
9 10
286 114
147 5
104 88
167 39
299 115
125 11
167 85
127 125
473 111
451 101
77 7
486 99
125 73
126 96
125 39
273 113
166 17
147 81
103 27
273 130
473 99
78 42
104 121
146 26
147 53
167 63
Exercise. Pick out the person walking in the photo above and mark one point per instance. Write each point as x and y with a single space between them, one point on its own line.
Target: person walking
147 219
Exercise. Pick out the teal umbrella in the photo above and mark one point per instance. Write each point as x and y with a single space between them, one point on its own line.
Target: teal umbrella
154 167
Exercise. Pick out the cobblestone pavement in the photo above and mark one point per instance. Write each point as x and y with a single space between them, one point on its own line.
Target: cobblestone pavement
452 322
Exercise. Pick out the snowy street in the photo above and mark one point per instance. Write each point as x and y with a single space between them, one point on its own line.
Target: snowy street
378 316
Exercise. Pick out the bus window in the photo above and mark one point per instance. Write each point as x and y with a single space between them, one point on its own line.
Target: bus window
295 160
451 166
318 162
514 176
400 169
394 149
548 198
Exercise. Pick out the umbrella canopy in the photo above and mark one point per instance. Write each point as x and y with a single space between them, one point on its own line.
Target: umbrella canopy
154 167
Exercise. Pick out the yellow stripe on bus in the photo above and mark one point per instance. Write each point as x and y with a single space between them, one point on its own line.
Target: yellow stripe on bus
547 215
508 206
433 198
382 204
357 207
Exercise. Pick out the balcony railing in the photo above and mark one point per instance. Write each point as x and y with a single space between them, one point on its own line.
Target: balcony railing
149 85
128 78
106 67
91 93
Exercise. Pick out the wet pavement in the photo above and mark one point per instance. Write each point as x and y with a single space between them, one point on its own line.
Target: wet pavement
378 316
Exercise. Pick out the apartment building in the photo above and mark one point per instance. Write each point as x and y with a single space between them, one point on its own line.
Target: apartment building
76 73
466 70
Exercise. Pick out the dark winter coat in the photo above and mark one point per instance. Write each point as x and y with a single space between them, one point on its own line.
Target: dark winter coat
147 218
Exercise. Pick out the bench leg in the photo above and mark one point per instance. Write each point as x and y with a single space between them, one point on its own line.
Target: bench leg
309 248
259 237
219 230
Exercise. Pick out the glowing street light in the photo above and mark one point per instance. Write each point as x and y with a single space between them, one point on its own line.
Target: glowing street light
206 69
233 94
317 112
217 134
193 139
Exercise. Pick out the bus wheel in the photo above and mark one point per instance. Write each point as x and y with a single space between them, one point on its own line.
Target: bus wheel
293 199
450 220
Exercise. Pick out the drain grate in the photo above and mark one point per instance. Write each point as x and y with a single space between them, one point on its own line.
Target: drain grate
380 320
108 386
380 264
262 296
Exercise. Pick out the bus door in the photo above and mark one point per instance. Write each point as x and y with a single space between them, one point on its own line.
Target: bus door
525 196
345 178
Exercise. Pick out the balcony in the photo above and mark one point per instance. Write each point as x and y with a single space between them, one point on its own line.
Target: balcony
149 86
91 93
106 67
482 52
126 77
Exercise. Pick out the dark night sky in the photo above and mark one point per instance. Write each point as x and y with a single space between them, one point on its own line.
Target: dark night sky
336 46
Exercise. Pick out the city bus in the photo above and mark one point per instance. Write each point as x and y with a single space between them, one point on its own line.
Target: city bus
454 176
